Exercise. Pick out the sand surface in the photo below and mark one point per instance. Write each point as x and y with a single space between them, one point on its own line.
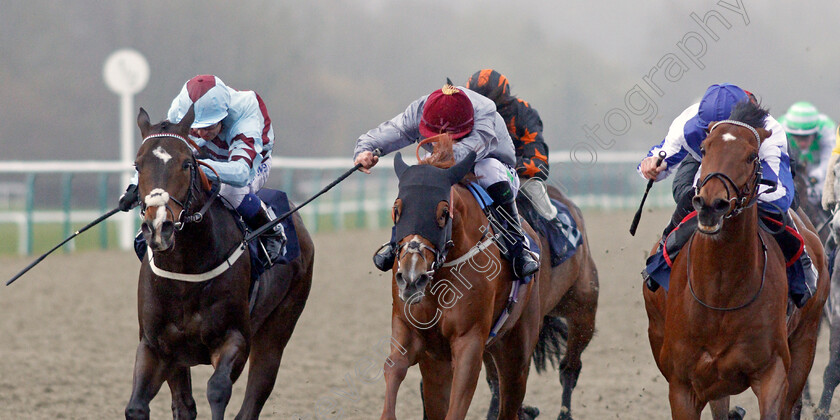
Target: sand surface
68 333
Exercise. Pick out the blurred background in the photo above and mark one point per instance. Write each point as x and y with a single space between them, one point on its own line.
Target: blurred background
329 70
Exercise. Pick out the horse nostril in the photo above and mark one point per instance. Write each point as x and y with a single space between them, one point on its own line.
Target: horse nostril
146 229
167 228
422 280
720 205
698 202
399 278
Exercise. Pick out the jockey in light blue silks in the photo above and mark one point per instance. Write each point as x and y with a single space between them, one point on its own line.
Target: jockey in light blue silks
234 134
472 120
682 145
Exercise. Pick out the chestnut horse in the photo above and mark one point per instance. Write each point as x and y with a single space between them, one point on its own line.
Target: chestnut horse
193 303
450 287
723 327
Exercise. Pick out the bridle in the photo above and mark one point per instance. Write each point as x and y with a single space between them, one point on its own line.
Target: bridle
184 216
440 252
747 195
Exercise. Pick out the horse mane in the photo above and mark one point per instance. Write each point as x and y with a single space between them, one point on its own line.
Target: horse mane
749 113
443 154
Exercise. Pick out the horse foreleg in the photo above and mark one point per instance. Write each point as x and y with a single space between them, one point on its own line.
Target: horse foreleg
771 388
437 382
228 361
580 315
684 403
492 376
404 350
720 408
467 354
831 376
149 374
180 384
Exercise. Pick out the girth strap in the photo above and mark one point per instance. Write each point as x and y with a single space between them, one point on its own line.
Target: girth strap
197 278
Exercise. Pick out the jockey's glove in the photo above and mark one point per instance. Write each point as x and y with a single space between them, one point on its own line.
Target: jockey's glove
130 198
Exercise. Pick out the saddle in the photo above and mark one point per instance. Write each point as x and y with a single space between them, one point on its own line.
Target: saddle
484 201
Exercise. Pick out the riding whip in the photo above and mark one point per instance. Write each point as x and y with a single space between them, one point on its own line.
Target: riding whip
283 216
41 258
638 215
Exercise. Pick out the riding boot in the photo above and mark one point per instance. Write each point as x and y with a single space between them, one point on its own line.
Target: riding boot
385 256
273 241
801 292
511 236
656 270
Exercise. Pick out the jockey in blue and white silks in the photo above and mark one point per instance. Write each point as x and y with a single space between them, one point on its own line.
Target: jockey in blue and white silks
682 148
688 130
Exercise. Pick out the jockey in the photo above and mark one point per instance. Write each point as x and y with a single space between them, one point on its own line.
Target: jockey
525 128
234 133
684 137
473 122
811 136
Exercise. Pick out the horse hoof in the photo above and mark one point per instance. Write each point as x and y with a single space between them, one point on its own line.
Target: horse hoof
737 413
529 413
565 414
821 415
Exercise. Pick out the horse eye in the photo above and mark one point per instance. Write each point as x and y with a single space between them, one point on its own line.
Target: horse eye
186 165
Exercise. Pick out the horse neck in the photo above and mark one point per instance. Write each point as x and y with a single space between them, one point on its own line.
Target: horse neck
202 245
468 221
737 248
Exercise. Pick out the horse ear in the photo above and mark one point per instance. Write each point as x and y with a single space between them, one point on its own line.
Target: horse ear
143 122
709 128
763 133
399 165
457 172
189 117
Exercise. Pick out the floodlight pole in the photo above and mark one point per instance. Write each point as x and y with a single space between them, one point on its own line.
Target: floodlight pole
126 73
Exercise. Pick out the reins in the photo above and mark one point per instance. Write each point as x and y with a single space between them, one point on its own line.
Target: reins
722 309
184 217
744 197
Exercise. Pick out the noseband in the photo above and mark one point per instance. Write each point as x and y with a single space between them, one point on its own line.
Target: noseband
184 217
417 247
745 196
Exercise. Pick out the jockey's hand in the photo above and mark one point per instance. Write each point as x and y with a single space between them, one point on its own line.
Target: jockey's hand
649 168
367 160
130 198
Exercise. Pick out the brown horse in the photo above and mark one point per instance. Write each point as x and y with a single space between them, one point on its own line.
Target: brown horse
193 289
469 286
723 327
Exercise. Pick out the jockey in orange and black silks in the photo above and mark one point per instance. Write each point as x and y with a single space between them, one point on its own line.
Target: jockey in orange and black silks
472 121
526 130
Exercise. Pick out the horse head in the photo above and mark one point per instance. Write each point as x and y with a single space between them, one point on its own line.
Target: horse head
166 172
730 157
423 221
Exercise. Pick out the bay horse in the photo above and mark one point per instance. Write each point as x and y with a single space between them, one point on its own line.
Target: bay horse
451 284
193 289
722 326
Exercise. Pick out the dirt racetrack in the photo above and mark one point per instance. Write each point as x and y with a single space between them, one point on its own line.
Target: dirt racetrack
68 332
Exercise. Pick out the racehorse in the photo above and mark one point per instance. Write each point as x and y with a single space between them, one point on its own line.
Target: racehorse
831 375
723 327
193 292
805 191
450 285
